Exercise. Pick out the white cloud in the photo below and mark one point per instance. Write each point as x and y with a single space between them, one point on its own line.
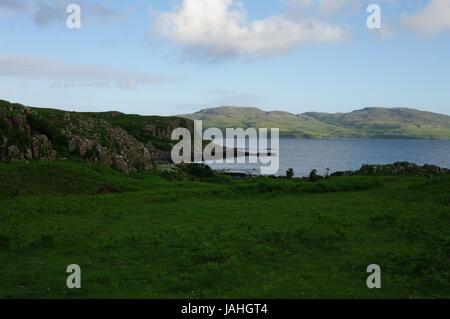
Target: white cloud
45 12
323 6
220 28
434 18
66 74
332 6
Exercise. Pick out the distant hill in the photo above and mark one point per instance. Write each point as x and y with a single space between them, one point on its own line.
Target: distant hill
364 123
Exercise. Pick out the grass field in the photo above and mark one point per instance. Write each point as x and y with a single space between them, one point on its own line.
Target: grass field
144 236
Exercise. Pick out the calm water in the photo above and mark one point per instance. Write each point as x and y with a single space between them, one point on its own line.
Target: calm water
349 154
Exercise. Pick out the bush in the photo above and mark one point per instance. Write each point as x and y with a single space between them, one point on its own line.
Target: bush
313 177
43 126
290 173
198 170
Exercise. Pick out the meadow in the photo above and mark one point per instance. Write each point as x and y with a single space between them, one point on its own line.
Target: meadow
165 235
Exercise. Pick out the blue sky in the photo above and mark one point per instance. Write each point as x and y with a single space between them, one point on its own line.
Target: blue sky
174 57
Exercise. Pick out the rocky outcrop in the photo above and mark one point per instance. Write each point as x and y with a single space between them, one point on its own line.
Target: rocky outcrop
33 134
401 168
129 152
14 153
41 148
433 169
398 168
164 132
18 141
115 148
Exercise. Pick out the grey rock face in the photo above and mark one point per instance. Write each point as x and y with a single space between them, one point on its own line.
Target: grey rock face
41 148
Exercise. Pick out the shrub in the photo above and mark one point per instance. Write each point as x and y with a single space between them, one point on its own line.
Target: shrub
313 177
47 128
198 170
290 173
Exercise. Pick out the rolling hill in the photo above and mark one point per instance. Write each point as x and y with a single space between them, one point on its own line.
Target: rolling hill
364 123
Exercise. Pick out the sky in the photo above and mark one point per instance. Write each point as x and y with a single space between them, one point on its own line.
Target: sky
171 57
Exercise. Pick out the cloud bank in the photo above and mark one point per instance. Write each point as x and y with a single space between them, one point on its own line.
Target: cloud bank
220 28
65 74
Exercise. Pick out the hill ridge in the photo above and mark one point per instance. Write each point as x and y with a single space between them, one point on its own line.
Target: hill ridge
368 122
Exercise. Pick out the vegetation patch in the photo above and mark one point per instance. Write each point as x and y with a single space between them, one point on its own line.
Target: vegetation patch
146 236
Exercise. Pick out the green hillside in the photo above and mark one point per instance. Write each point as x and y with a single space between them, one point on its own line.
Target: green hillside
127 142
365 123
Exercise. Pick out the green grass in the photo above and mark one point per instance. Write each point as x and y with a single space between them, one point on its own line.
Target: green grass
145 236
